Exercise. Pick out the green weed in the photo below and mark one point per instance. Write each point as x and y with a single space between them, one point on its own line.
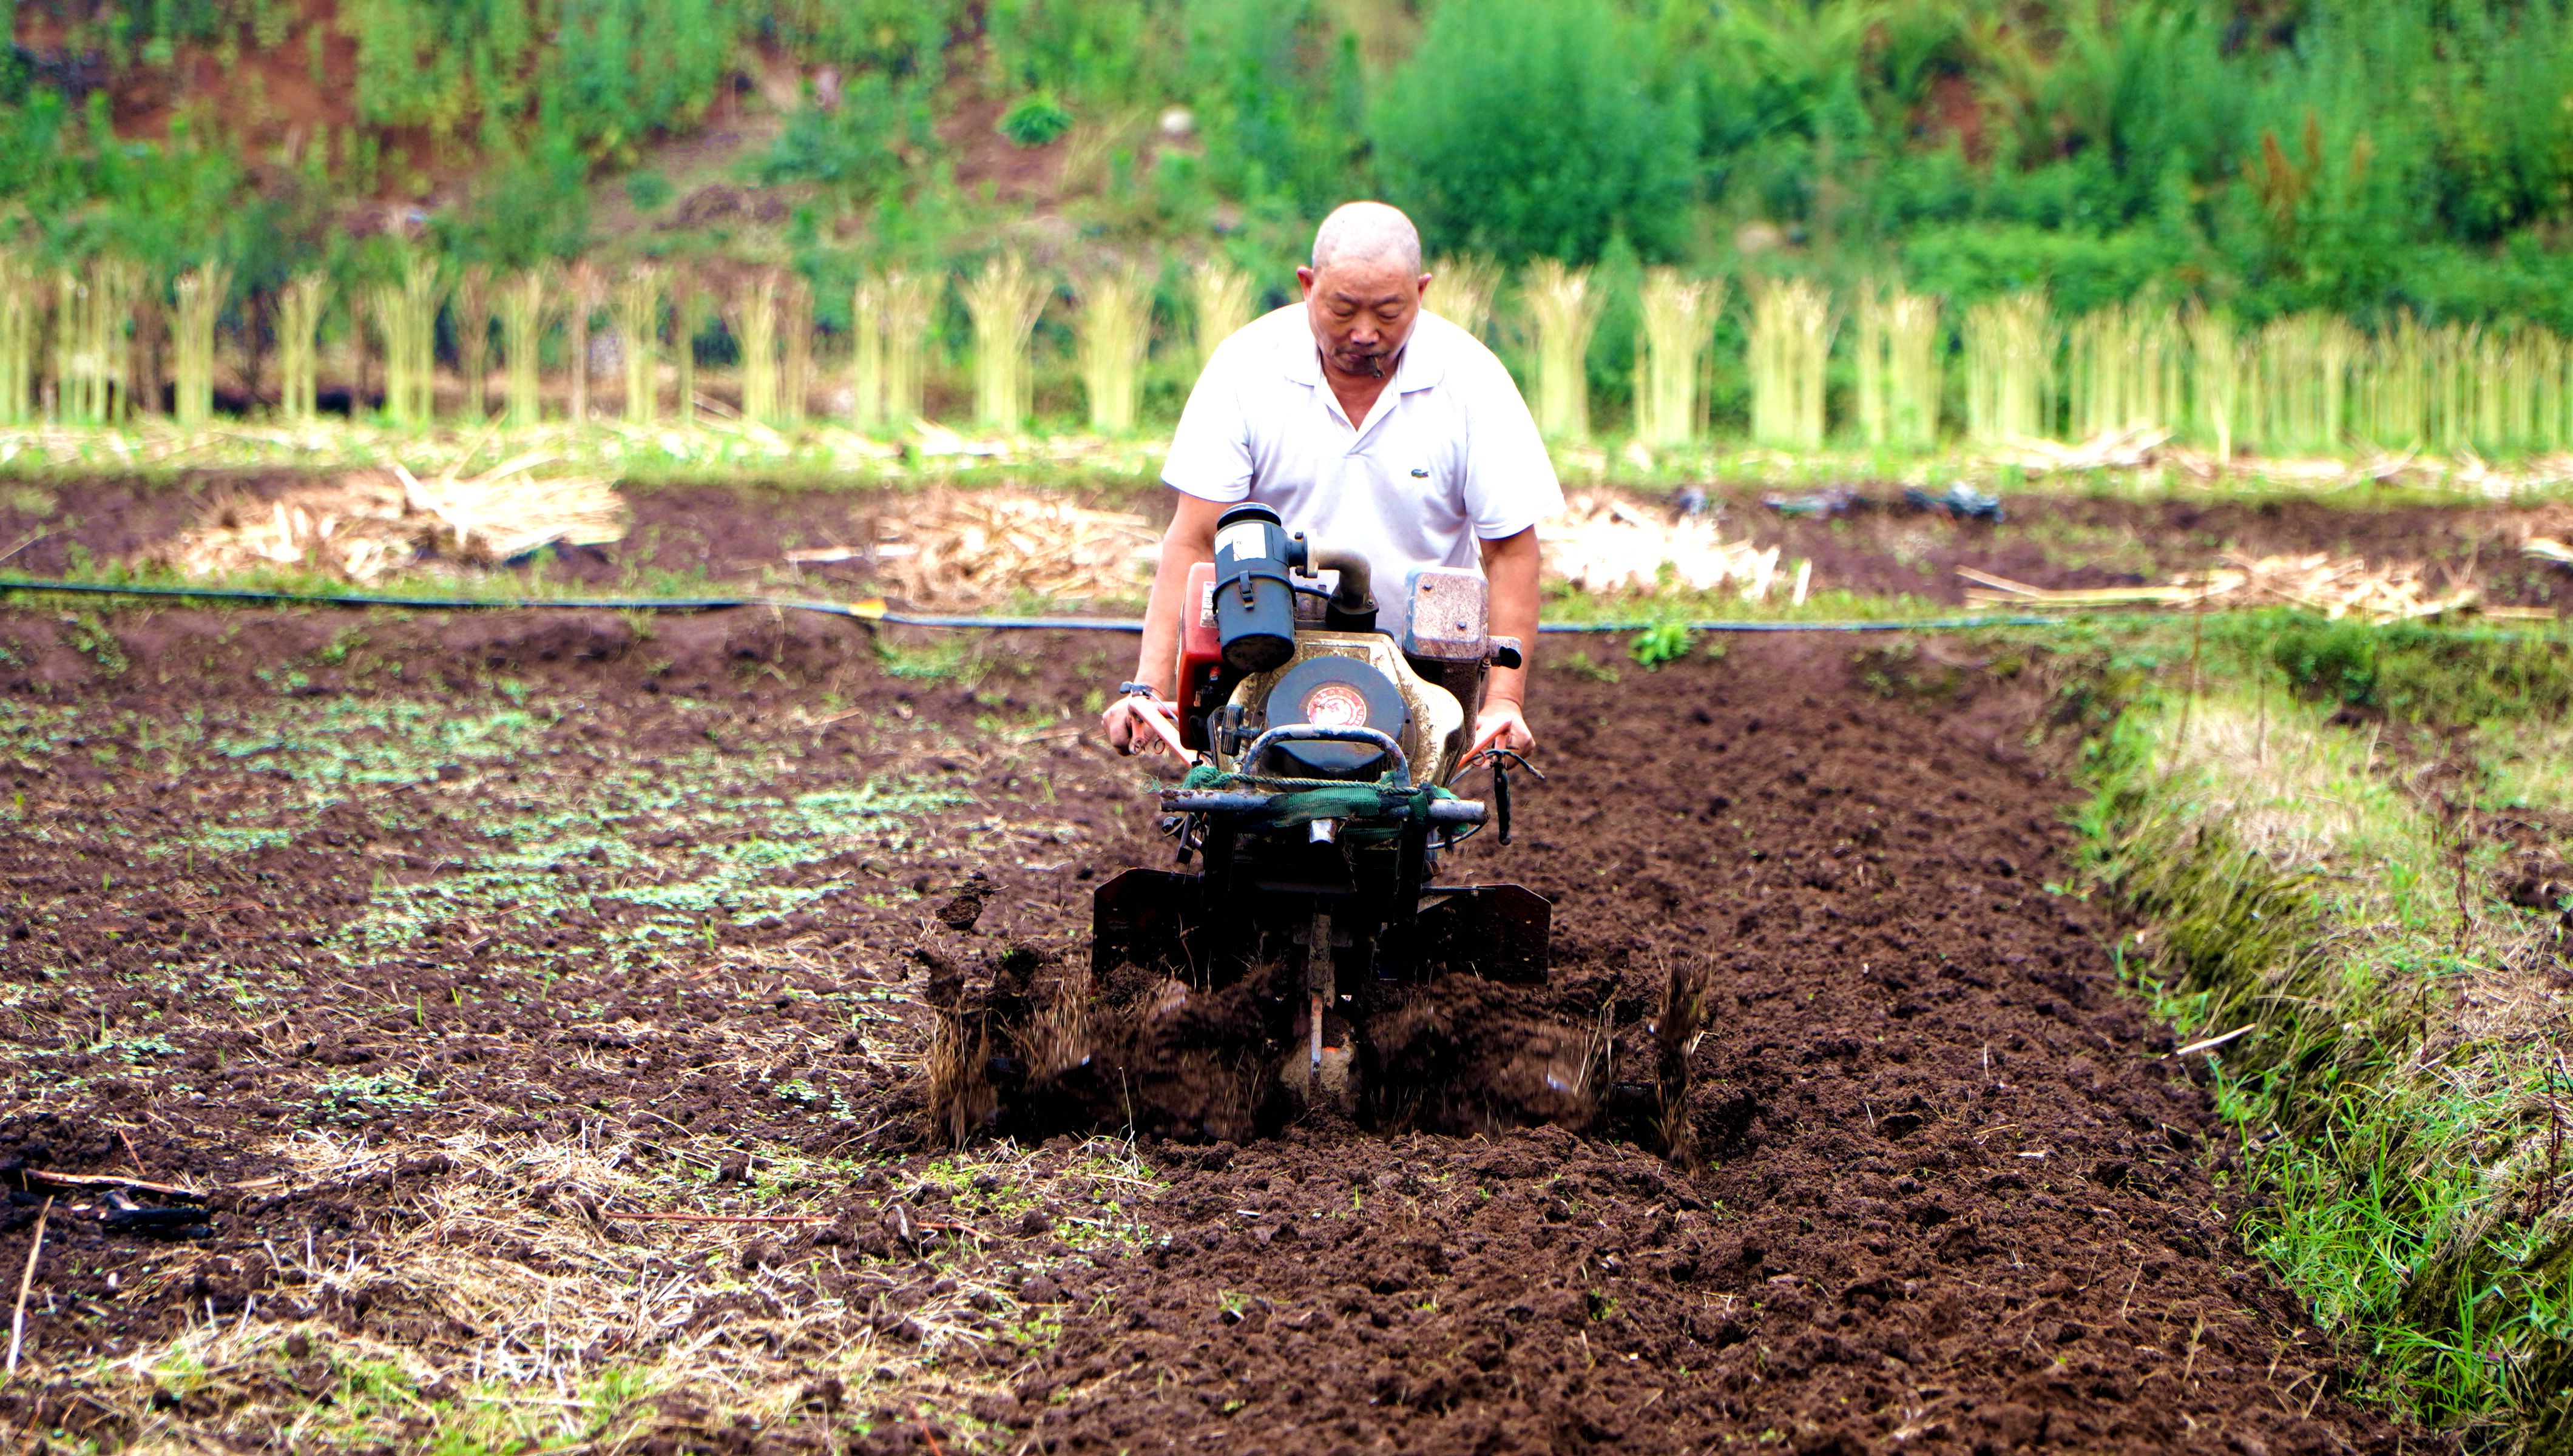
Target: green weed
1034 121
1664 642
949 658
341 643
365 1095
1580 664
87 635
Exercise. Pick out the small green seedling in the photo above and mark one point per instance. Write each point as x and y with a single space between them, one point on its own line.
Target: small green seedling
1662 642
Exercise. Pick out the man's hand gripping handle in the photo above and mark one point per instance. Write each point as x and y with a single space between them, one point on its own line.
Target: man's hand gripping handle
1143 721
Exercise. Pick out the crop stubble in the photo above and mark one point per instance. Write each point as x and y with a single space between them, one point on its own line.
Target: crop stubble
1950 1201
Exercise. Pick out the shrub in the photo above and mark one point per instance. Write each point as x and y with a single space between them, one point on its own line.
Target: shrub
1534 127
859 149
649 191
2079 271
1035 121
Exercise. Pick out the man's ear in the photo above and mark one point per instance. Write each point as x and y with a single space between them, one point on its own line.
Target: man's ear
1305 281
1423 287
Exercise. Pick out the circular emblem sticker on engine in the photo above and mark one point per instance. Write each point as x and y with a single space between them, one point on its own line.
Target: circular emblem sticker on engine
1336 705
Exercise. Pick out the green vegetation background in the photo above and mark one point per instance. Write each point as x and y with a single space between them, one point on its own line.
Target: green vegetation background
2362 157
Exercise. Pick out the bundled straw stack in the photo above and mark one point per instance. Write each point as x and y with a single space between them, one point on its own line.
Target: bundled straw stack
1678 326
1564 309
1116 332
1005 301
1222 303
1898 368
2009 367
1791 339
1603 544
1461 290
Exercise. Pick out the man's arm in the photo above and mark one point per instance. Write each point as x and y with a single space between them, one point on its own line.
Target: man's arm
1190 540
1510 564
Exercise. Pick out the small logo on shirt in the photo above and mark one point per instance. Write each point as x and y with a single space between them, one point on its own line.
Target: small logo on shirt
1420 472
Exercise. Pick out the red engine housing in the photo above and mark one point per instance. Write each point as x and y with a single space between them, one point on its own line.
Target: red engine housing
1200 656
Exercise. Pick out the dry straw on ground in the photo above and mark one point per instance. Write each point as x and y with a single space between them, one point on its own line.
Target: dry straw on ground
2336 586
365 526
2122 448
1603 544
580 1293
953 548
2148 446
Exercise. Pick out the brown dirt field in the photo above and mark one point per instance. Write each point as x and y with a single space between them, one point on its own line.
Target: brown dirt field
457 940
729 533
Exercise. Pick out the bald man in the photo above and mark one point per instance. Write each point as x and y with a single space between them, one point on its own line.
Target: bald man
1372 425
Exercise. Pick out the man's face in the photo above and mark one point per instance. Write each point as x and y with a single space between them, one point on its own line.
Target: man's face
1362 310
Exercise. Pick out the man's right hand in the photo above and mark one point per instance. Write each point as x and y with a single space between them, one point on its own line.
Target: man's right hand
1138 724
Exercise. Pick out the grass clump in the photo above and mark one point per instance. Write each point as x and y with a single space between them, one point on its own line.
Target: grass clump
2413 672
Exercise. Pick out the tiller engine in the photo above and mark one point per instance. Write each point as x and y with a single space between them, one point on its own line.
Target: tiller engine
1318 806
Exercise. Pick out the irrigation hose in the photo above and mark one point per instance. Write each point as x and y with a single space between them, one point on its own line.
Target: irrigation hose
876 610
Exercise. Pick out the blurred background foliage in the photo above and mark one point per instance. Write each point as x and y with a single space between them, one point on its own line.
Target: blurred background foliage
2267 156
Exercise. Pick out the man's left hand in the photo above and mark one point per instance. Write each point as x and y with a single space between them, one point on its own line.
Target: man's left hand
1502 724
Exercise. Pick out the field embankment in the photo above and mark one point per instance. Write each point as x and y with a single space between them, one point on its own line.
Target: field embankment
2348 852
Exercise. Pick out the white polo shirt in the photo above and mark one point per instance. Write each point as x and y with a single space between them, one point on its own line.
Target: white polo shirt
1448 455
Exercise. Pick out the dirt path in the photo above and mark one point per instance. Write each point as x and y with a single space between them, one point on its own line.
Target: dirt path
621 925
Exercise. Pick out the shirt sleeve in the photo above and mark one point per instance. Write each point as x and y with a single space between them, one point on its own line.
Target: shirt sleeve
1211 450
1510 479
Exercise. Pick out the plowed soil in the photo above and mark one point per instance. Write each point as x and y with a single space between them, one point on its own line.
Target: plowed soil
326 914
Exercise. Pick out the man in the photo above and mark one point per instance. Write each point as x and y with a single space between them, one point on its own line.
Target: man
1371 427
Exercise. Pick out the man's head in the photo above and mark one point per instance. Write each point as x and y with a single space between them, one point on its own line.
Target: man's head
1363 293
